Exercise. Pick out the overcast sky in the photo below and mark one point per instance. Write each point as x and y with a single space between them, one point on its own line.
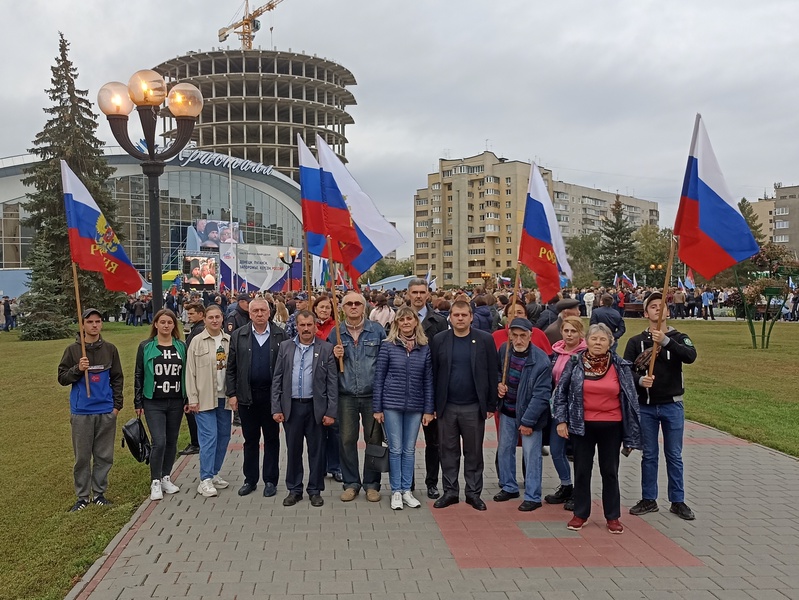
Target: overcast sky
603 93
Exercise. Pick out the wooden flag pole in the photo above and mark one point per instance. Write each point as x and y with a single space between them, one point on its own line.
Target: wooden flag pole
508 347
80 324
334 300
656 348
306 272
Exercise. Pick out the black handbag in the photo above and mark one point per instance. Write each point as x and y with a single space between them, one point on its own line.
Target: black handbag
135 434
376 455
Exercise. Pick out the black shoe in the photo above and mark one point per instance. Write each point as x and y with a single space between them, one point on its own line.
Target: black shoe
563 493
681 510
236 419
101 500
292 499
445 501
476 503
247 488
644 506
432 492
317 500
79 505
269 490
529 506
190 449
504 496
569 505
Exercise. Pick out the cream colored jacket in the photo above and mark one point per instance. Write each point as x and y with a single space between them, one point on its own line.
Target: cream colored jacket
201 370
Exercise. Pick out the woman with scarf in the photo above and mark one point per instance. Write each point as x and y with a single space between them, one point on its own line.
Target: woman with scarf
325 323
573 334
403 398
596 407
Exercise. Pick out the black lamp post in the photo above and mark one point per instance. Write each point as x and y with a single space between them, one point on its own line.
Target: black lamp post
147 90
288 262
656 268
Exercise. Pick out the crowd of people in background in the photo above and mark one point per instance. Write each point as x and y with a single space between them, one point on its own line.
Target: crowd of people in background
400 361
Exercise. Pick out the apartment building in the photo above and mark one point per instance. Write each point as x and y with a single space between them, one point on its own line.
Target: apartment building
467 221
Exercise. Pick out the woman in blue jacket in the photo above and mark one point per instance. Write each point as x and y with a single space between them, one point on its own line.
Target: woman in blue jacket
403 398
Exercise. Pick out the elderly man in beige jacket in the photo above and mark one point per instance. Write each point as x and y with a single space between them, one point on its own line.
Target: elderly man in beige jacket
206 364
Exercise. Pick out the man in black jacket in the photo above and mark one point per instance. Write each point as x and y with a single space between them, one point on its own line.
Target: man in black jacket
248 381
432 324
661 399
240 315
609 316
465 377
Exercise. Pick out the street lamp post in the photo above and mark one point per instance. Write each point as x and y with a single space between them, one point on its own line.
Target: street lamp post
486 279
147 90
289 261
655 268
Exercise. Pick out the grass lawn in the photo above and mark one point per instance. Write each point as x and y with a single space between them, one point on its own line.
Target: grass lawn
750 393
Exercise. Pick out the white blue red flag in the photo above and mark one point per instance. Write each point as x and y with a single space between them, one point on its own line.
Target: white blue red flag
616 280
377 237
626 278
680 284
790 283
689 279
713 233
541 247
92 242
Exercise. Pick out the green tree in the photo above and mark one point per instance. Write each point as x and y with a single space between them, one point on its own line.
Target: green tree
583 251
617 246
387 268
751 219
526 277
652 248
68 134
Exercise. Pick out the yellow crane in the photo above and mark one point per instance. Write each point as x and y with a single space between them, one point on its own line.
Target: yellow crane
248 24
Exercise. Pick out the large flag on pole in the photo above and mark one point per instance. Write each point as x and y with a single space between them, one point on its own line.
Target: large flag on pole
713 233
541 247
92 242
324 212
376 235
626 279
689 279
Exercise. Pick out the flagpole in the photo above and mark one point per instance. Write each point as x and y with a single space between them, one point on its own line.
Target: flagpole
306 271
80 324
334 300
656 347
510 312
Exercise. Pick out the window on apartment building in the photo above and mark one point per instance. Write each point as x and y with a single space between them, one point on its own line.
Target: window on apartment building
497 251
435 186
421 234
508 215
449 198
447 253
508 263
509 251
509 240
508 204
470 230
470 218
421 245
509 192
482 206
447 173
509 228
449 221
447 275
470 206
449 210
782 224
781 239
421 202
507 181
782 210
436 209
449 232
433 245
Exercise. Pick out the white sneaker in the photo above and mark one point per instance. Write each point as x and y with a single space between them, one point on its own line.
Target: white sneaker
206 488
219 483
168 487
409 499
155 490
396 501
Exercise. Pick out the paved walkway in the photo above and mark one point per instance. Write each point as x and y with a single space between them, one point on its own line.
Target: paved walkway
744 543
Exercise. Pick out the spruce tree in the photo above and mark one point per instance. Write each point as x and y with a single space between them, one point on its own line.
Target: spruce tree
751 219
616 245
68 134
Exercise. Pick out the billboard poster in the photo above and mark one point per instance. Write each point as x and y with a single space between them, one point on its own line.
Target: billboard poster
200 270
207 234
255 268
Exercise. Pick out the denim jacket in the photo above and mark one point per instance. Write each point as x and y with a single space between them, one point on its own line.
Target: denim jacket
569 399
535 388
359 359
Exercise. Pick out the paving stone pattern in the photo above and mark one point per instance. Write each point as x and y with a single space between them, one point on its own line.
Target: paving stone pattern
743 544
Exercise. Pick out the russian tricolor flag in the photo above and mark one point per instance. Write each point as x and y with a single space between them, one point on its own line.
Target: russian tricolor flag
541 247
324 212
713 233
92 242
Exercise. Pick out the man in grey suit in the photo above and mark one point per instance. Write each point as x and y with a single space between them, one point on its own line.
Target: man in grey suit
305 399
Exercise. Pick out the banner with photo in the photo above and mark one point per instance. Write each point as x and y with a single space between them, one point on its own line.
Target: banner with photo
200 270
256 268
207 234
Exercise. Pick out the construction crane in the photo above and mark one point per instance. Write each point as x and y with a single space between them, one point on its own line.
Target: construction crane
248 24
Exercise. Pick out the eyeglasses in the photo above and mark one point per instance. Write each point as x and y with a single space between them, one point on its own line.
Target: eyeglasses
353 304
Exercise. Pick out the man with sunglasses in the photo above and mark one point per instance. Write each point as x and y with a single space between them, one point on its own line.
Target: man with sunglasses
359 346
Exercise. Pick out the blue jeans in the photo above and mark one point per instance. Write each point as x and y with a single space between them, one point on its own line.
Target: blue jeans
533 458
557 449
671 419
213 431
402 429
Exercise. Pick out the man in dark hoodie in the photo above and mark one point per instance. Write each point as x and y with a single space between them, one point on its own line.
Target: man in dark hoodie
661 401
93 417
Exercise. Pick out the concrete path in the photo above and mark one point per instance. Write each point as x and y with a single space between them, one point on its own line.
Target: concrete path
743 544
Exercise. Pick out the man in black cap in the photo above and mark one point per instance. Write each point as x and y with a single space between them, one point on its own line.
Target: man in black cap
93 417
609 316
568 307
661 401
240 315
524 409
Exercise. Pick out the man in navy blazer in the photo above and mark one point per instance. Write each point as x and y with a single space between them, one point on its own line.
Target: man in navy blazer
466 377
305 399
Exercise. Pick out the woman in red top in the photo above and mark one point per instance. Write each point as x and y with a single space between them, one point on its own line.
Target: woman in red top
596 406
323 309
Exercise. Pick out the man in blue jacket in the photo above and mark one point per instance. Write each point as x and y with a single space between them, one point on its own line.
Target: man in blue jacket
93 417
524 409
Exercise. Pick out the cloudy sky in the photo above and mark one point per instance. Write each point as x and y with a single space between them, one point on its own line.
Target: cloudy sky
603 93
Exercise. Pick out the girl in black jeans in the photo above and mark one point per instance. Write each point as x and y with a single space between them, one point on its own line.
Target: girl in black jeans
160 395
